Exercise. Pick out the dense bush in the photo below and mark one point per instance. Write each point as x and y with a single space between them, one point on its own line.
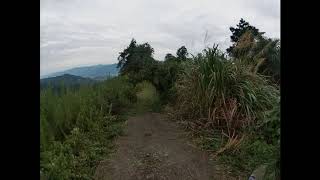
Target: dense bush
224 92
77 127
147 97
137 63
118 92
165 76
220 96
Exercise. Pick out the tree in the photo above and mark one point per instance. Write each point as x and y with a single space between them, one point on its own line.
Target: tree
125 54
169 57
262 53
182 53
237 32
136 61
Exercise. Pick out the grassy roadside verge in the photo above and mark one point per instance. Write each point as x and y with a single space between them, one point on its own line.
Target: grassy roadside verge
78 127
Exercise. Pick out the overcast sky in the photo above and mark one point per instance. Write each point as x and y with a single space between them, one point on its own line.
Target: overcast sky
88 32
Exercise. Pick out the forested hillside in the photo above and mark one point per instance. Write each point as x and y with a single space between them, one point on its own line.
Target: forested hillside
97 71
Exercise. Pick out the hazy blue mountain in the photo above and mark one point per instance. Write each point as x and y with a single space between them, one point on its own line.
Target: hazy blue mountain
66 80
97 71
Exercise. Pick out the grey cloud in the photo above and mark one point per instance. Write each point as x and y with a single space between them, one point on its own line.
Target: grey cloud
78 32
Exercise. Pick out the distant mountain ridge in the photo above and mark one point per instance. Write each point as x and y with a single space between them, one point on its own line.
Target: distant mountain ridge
67 80
96 71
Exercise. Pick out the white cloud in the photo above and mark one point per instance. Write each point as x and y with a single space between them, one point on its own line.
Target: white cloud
80 32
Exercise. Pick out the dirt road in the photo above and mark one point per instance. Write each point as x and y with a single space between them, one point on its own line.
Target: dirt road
155 148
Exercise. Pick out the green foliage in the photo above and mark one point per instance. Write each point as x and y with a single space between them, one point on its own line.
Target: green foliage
147 97
262 54
237 32
250 155
239 106
212 85
182 54
77 127
135 61
164 79
56 163
137 64
269 127
169 57
117 92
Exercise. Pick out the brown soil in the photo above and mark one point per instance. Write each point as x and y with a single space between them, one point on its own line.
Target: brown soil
155 148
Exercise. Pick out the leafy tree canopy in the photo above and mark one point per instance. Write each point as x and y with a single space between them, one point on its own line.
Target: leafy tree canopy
169 57
135 57
136 62
182 53
238 31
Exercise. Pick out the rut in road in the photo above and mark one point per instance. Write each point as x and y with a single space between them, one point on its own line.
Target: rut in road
155 148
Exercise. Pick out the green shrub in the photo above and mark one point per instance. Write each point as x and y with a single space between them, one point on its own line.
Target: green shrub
212 87
165 76
147 97
241 107
269 126
250 155
77 127
118 91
